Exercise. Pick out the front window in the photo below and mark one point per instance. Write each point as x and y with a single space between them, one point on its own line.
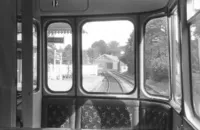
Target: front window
108 64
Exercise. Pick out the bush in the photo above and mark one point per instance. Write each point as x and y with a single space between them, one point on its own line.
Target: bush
159 69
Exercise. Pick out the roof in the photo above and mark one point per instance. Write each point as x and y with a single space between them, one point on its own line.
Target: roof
113 58
110 57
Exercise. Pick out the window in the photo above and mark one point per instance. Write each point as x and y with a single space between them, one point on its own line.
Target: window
195 63
19 57
108 56
59 57
35 57
176 69
157 57
193 6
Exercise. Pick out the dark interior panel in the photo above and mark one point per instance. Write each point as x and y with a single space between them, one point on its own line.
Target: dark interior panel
186 125
98 7
58 113
92 113
177 120
155 116
63 5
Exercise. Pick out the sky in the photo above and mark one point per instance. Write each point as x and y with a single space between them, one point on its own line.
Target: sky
108 31
105 30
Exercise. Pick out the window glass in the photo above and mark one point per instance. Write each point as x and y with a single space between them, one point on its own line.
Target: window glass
108 56
157 57
59 56
193 6
176 74
35 58
195 63
19 57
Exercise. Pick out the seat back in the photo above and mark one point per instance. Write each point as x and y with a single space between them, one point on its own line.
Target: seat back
58 113
155 116
108 113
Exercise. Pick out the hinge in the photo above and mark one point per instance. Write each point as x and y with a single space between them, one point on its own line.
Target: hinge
179 127
55 3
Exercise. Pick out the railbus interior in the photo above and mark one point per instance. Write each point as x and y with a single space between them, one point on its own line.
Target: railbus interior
100 64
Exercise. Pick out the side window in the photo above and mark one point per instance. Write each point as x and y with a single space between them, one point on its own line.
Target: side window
19 57
193 6
176 66
59 57
35 57
195 63
108 57
157 74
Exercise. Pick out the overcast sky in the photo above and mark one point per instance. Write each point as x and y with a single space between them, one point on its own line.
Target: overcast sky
107 31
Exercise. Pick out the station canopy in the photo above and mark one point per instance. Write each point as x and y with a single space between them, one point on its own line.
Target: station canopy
59 28
62 28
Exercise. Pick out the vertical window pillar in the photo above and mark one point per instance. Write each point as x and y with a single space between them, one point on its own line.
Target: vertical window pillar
27 63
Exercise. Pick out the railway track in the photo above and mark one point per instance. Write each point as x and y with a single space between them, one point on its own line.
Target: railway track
131 81
110 84
125 77
114 85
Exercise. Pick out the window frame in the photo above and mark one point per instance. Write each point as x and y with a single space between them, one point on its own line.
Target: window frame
37 28
81 22
174 102
142 59
188 110
190 22
47 90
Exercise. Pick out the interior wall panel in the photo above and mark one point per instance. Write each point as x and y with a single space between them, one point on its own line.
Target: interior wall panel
91 7
8 63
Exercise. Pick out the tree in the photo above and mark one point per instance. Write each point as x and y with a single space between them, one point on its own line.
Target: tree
100 47
85 58
113 48
197 29
67 55
97 48
156 49
113 44
50 52
128 57
67 58
195 33
90 53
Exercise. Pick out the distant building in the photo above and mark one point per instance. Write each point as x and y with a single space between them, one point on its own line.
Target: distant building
110 62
